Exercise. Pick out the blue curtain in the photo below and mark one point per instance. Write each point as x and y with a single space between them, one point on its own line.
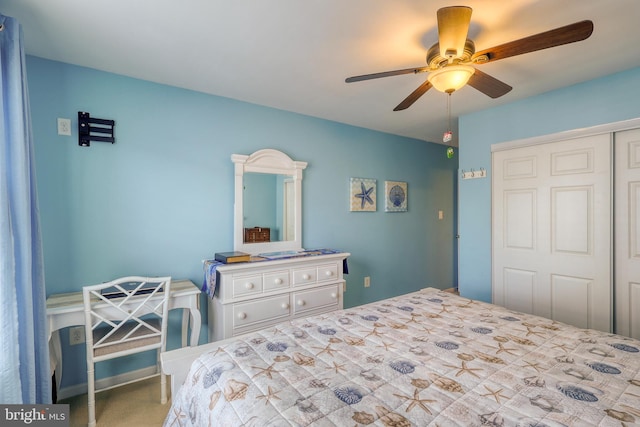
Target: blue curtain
24 350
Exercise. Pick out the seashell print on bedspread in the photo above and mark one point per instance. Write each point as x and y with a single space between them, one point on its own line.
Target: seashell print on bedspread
426 358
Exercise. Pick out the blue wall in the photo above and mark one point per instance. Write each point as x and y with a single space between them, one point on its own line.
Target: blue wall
605 100
161 199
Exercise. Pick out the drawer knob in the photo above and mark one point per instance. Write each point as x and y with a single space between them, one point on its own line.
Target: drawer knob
328 273
334 295
306 276
278 281
301 302
242 315
249 285
285 305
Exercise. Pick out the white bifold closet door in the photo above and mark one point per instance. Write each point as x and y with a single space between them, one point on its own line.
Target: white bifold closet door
552 233
627 233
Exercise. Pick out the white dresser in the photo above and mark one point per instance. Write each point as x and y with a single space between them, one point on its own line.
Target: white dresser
254 295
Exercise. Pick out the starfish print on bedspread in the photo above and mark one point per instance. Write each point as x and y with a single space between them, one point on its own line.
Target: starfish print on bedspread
416 401
337 367
386 346
464 369
530 331
272 394
374 332
561 346
497 394
413 318
444 308
269 371
179 417
218 350
427 330
276 331
507 350
534 365
467 303
326 349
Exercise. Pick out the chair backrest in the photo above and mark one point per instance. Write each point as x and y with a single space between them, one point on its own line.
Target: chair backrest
125 316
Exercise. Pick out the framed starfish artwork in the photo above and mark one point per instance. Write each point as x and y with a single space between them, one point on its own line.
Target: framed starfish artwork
395 193
362 195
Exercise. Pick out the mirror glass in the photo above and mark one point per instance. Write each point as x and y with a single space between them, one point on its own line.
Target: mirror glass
267 208
269 202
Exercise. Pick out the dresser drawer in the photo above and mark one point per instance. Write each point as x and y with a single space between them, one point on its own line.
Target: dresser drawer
327 272
261 310
304 276
315 298
276 280
247 285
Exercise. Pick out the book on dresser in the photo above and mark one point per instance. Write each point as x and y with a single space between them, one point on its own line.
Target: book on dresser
231 257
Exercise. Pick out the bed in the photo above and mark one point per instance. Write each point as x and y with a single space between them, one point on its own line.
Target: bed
425 358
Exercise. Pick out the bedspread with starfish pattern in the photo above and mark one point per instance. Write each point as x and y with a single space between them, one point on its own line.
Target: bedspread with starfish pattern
425 358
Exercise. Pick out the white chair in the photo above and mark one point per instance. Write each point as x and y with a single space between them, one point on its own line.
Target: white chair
125 316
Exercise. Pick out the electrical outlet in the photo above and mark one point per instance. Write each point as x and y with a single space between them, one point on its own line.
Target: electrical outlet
367 282
76 335
64 127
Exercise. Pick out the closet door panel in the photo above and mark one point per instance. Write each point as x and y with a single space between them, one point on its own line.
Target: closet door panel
571 299
519 224
519 286
551 228
627 231
571 216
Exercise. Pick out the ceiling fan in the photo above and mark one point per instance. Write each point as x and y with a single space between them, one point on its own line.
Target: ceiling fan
450 61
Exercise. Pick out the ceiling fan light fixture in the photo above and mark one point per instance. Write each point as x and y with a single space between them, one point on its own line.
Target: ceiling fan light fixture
450 78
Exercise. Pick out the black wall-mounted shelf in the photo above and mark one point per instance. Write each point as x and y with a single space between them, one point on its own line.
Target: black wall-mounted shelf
92 129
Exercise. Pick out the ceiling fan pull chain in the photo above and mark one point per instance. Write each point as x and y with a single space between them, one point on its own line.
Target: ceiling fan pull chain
448 134
449 110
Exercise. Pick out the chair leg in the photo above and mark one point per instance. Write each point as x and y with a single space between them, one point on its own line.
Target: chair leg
163 380
91 395
163 391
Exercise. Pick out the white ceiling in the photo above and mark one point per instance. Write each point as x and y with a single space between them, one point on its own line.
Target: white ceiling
294 55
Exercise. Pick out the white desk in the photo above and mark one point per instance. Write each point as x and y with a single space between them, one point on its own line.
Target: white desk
64 310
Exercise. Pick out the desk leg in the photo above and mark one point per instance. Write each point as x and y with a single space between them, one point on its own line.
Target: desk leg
196 321
185 326
55 358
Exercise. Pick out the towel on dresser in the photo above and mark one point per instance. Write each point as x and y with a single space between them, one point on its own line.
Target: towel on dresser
210 284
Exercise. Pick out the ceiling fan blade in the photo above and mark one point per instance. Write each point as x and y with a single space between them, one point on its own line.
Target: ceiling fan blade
557 37
488 85
453 26
414 70
413 97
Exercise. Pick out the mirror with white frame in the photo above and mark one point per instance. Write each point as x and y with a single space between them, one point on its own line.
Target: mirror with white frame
268 202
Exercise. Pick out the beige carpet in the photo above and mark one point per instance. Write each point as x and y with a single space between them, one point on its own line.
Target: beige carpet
136 404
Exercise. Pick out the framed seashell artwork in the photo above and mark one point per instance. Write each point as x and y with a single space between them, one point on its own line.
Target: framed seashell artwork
395 199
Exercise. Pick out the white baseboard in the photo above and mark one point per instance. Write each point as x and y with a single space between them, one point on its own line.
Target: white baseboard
102 383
